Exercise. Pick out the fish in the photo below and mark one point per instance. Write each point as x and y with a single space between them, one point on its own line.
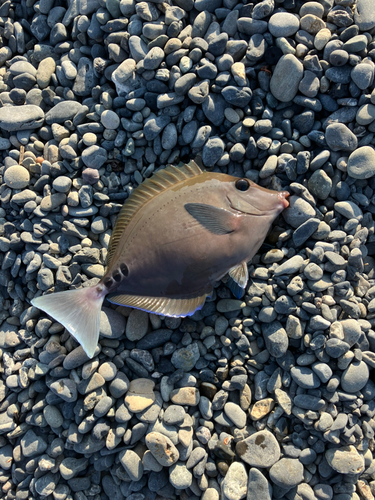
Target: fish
179 232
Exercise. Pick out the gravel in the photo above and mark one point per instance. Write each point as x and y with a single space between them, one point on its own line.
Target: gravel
270 396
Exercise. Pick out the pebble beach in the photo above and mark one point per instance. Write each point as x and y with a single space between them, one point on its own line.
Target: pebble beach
267 397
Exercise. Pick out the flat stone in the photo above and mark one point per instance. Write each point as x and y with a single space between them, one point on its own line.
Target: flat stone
348 209
16 177
283 24
162 448
361 163
179 476
298 212
185 396
286 473
261 408
62 111
286 78
305 377
234 486
132 464
26 117
65 388
236 414
186 357
340 138
137 325
364 15
260 450
258 486
140 394
32 445
355 377
345 460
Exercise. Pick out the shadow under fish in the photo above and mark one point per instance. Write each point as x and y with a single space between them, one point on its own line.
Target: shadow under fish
178 233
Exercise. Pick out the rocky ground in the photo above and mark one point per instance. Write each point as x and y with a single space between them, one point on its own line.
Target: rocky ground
268 397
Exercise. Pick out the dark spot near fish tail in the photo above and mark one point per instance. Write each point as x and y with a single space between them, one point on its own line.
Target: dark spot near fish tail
116 276
124 269
108 282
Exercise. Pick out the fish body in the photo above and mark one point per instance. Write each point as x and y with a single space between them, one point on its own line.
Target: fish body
178 233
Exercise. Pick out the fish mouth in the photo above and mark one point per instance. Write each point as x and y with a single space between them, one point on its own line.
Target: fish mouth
283 195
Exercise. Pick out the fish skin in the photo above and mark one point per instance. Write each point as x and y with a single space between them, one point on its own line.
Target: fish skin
170 254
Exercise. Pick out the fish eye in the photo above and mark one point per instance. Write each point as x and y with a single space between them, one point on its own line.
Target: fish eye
242 185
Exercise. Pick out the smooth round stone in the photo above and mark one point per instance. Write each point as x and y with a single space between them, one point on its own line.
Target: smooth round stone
16 177
340 138
112 323
236 414
312 24
363 75
258 486
94 156
351 331
108 371
185 396
275 338
286 78
260 450
26 117
137 325
53 416
89 139
179 476
174 415
320 184
234 486
355 44
140 394
287 473
314 8
153 58
162 448
361 163
283 24
110 119
132 464
313 272
212 151
345 460
336 348
298 212
355 377
348 209
366 114
305 377
186 357
62 184
291 266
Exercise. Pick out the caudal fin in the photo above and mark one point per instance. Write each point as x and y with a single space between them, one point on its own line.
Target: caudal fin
78 311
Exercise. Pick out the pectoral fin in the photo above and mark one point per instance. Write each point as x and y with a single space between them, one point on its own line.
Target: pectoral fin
214 219
238 279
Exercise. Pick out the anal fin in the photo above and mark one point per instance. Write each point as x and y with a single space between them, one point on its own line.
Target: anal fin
238 278
174 308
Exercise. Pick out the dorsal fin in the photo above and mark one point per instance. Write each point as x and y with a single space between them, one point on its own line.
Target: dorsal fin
159 182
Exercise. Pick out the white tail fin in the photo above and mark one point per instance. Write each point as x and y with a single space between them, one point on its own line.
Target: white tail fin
78 311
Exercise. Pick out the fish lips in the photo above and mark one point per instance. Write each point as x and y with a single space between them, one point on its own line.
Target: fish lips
283 195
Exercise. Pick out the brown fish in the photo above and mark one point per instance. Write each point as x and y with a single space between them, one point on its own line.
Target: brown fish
178 233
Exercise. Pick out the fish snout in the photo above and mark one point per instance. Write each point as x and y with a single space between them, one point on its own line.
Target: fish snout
283 195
